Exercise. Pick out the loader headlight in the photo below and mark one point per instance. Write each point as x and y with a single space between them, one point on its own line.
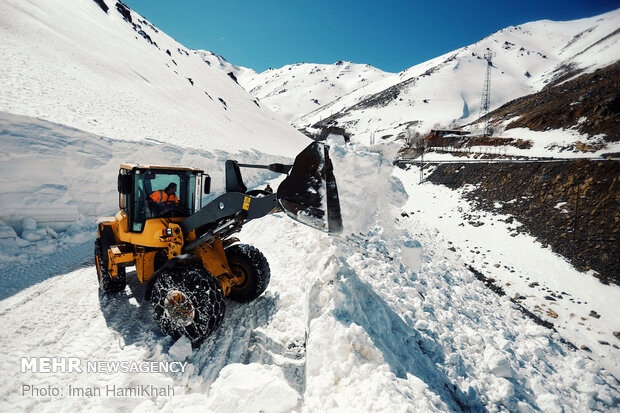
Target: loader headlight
168 232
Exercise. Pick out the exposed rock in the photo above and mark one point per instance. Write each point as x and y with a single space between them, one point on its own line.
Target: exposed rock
585 228
592 97
102 4
232 76
124 11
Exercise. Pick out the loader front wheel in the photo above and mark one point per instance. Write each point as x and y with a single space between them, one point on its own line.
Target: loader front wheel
107 283
251 266
188 301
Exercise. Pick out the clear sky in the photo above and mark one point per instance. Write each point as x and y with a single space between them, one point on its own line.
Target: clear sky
388 34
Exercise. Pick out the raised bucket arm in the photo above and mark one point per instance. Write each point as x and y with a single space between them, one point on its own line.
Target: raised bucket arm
308 194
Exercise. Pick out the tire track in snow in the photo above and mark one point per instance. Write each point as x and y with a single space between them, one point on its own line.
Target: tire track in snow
269 330
15 278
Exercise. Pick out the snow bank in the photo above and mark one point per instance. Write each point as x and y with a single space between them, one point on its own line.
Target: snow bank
55 180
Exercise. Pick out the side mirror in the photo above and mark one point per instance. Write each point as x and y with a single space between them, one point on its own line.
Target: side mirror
124 184
207 187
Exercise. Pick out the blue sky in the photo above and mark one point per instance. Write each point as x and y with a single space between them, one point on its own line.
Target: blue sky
388 34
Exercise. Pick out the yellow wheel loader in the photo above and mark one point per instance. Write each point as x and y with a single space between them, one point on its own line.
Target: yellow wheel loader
186 253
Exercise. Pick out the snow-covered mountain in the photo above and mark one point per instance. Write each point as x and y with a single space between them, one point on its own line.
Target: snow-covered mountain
295 90
391 316
101 67
215 60
447 90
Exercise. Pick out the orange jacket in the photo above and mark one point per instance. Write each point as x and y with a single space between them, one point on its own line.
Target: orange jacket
161 197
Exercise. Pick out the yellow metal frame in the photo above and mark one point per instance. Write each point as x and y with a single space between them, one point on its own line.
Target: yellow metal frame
165 235
212 257
214 260
145 265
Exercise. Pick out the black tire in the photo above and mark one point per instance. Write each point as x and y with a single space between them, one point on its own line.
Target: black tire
107 283
200 291
249 262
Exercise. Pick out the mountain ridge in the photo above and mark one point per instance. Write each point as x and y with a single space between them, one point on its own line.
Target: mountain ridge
111 72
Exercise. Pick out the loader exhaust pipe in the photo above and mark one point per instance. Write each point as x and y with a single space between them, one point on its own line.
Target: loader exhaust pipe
309 194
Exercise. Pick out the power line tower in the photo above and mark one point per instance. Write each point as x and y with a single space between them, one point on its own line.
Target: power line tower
486 93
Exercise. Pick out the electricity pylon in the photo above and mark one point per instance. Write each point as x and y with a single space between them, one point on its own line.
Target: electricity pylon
486 93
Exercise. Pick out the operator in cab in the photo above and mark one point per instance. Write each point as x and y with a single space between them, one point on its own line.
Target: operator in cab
166 196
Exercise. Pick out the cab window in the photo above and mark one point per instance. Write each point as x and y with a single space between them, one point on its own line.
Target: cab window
147 182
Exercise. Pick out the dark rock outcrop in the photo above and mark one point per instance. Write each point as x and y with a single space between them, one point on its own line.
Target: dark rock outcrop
571 206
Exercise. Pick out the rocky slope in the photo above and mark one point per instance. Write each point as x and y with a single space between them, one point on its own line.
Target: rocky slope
589 103
573 207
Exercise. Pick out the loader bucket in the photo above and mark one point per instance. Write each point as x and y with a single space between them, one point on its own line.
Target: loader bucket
309 193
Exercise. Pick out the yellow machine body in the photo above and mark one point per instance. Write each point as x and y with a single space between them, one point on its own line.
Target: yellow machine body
161 236
164 236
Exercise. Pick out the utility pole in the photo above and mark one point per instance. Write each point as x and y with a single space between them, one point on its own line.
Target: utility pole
486 93
422 163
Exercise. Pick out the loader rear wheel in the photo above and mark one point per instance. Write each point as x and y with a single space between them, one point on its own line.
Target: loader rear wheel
107 283
249 264
188 301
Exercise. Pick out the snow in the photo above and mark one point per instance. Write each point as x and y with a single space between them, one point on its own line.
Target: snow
71 63
295 90
383 318
388 317
555 143
181 349
252 387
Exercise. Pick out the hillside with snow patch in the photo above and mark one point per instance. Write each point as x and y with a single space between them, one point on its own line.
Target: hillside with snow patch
446 91
108 71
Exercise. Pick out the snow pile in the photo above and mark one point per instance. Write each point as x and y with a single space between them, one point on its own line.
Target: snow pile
113 73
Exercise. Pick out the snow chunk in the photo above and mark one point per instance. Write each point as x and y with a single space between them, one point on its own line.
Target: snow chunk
412 255
34 234
7 232
497 362
181 350
29 223
252 388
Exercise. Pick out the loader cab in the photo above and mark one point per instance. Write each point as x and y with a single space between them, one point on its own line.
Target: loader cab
137 182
